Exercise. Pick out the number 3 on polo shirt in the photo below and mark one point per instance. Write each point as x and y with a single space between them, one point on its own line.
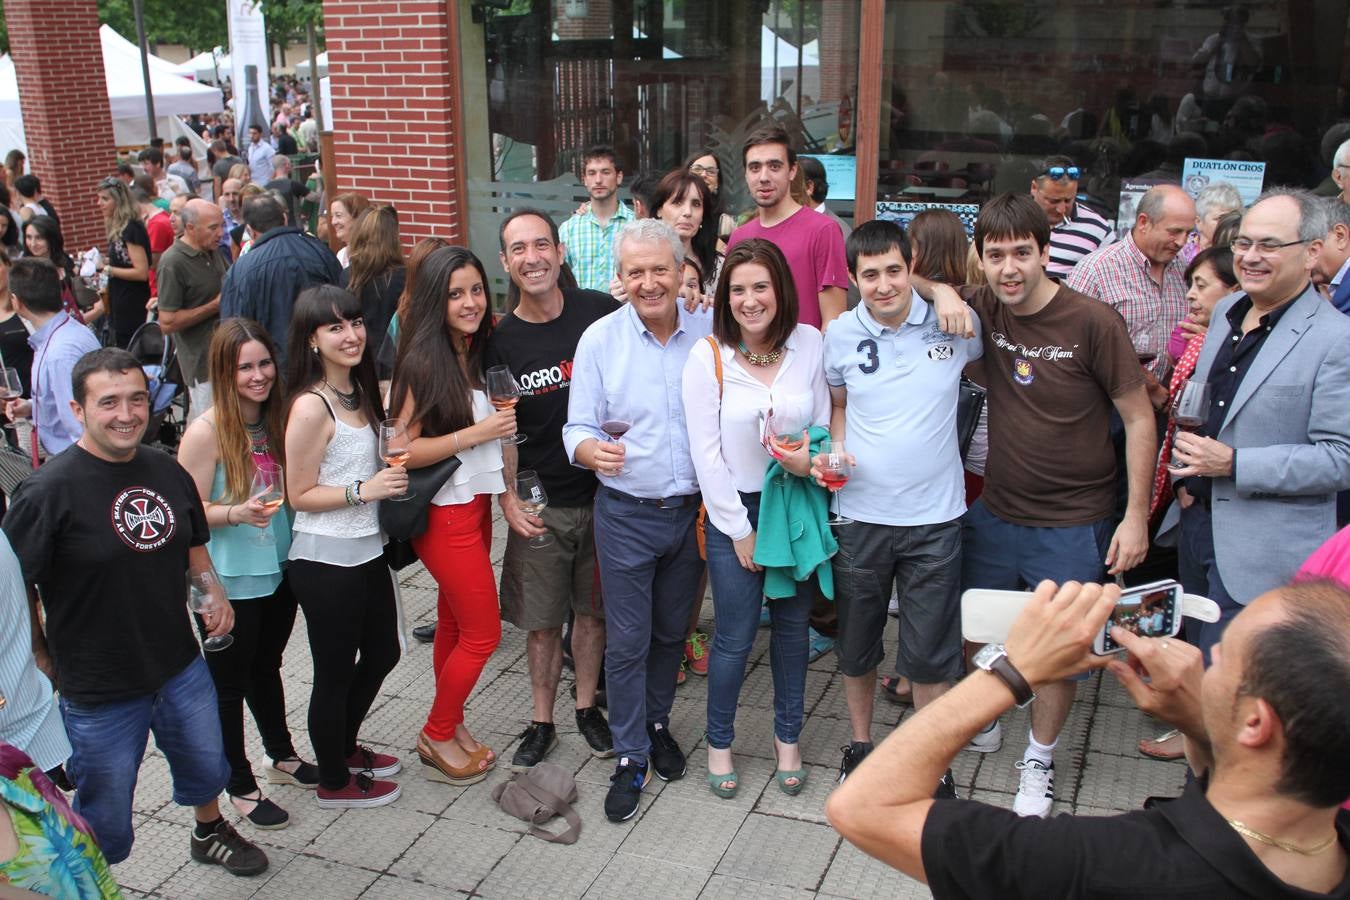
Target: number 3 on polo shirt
873 359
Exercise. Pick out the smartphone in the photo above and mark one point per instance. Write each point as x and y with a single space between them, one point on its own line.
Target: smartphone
1150 610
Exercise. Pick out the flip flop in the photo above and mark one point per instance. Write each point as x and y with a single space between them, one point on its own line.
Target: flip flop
1166 746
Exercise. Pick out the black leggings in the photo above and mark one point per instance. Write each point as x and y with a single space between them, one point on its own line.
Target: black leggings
353 638
249 670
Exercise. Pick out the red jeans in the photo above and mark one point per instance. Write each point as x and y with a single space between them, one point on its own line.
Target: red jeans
454 548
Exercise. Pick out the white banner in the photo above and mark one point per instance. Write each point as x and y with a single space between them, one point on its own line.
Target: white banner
248 47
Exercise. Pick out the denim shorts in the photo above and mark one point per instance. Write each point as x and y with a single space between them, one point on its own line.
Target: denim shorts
108 743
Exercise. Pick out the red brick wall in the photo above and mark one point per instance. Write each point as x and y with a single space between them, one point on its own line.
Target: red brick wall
64 99
393 99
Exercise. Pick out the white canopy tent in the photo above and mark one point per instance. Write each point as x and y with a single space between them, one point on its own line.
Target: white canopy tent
302 67
210 66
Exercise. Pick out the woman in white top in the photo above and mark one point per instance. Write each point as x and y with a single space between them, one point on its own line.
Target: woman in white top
768 361
337 568
438 391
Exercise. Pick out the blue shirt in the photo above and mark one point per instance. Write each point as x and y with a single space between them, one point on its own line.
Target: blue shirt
57 346
902 388
620 367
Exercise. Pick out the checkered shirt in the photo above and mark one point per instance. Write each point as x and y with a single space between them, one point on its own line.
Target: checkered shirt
590 247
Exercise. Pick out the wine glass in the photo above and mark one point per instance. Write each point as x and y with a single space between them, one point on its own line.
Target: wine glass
835 470
786 427
616 423
269 488
395 449
205 595
1190 412
11 388
533 500
504 393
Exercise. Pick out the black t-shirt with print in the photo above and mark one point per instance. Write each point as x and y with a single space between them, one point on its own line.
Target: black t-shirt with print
539 355
107 545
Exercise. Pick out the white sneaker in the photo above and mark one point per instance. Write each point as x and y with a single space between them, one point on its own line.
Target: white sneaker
988 741
1035 790
893 608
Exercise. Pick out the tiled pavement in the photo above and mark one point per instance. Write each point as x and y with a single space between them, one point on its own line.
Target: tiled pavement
438 841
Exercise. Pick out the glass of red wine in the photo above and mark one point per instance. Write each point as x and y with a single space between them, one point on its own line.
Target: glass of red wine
615 423
835 470
1190 411
504 393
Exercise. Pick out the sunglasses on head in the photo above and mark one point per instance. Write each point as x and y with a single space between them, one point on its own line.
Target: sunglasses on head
1059 173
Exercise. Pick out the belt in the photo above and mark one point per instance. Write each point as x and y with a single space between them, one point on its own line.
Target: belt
676 502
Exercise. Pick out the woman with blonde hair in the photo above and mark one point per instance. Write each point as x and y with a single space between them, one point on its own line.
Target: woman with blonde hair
241 434
127 262
375 273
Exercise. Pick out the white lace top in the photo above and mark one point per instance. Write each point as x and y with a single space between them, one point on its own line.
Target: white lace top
349 535
480 467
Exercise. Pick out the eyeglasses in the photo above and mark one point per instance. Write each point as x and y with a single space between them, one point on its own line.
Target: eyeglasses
703 170
1266 247
1059 173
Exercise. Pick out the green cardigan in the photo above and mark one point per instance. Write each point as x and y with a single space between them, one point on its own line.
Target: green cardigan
793 541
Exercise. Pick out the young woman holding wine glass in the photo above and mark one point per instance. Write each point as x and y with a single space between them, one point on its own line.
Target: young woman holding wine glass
440 395
337 568
766 368
233 452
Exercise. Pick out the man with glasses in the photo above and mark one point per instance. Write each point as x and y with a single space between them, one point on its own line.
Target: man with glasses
1264 469
1075 230
1141 277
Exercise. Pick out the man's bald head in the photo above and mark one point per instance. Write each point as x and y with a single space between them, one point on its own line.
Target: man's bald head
202 222
1163 219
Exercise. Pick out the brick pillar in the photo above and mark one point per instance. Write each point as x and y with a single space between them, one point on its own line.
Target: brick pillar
395 87
64 99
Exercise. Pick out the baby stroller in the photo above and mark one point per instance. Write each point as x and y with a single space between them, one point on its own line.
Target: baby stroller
168 393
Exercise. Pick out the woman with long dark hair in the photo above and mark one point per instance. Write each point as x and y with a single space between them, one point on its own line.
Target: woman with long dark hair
438 391
241 433
938 243
42 240
705 165
128 259
376 273
682 200
337 567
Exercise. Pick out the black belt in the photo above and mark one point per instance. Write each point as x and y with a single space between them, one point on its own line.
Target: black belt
676 502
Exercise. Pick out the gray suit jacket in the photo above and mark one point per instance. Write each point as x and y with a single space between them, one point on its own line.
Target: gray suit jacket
1290 426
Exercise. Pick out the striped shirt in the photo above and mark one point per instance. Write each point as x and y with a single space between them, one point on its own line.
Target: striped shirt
590 247
1118 274
1081 232
29 718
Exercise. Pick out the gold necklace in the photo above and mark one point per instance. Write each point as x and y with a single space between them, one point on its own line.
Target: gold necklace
1255 835
762 359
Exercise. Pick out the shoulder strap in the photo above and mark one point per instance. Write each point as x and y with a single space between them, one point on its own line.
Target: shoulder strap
717 362
558 805
326 404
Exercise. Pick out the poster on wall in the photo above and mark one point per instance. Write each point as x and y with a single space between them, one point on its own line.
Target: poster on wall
248 47
1131 189
904 211
1246 176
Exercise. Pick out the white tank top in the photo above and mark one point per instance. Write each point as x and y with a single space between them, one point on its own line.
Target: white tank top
352 454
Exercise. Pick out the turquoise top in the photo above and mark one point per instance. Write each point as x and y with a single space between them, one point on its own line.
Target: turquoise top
248 570
793 539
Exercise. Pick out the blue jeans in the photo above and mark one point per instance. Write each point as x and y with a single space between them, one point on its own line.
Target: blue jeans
108 743
1200 575
737 595
649 570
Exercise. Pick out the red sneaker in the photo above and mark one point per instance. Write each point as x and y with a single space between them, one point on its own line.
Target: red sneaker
366 760
360 792
696 653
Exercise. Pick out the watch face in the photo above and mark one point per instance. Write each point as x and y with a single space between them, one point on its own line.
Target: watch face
987 654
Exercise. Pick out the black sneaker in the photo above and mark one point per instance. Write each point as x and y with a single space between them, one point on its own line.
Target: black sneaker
225 848
667 757
593 727
425 633
854 753
946 789
535 743
625 788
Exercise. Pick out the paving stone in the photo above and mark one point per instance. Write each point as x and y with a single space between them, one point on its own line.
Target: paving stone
753 773
684 832
633 876
821 739
159 850
535 868
809 805
725 887
475 804
355 839
854 874
1122 782
421 793
455 855
387 887
395 721
197 881
1118 731
885 714
307 876
758 851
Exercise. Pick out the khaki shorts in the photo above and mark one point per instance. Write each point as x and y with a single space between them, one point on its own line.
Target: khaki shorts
540 584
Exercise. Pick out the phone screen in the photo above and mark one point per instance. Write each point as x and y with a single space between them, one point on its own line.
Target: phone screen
1150 612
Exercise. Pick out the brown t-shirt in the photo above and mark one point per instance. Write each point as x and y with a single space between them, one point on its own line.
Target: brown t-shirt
1051 379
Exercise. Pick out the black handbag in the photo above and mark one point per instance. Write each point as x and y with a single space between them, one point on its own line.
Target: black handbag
969 405
403 520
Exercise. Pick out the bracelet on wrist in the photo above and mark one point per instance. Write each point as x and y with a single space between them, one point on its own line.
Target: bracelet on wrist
360 501
455 435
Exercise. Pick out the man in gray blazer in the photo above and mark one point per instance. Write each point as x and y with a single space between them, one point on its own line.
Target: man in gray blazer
1259 479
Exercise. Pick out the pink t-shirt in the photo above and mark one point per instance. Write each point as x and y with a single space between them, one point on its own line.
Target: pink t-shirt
814 249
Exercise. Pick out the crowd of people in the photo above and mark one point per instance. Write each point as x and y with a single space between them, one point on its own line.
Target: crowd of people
675 401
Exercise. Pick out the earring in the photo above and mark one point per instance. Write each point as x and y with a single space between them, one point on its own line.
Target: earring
315 348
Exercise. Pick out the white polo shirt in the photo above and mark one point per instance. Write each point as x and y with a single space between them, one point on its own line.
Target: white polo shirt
901 415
